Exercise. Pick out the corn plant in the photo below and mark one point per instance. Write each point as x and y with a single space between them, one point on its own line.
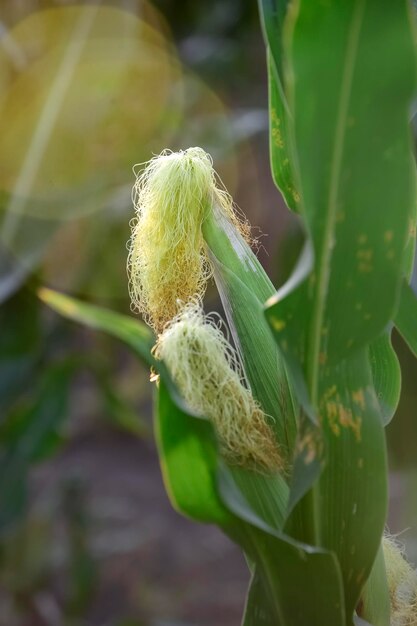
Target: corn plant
271 424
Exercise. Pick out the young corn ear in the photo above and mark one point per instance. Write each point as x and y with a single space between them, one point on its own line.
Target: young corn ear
206 369
244 287
167 264
402 583
185 229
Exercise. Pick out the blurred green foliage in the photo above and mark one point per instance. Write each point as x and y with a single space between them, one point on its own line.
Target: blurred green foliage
86 93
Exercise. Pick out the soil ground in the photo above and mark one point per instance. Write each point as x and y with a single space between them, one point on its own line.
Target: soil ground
154 565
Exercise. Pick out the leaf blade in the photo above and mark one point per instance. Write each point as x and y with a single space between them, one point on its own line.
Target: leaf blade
406 317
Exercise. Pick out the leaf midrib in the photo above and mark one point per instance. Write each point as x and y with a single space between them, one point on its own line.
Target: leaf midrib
323 266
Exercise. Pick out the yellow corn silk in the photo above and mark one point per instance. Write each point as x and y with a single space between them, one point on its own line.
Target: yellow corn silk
402 583
167 264
206 369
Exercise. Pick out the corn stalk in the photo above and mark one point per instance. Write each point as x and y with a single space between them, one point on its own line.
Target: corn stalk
315 355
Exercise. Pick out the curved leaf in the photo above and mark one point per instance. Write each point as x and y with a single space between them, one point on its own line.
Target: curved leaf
135 334
386 374
272 14
188 454
406 318
281 165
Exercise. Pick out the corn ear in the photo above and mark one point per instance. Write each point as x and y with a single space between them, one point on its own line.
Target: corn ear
244 287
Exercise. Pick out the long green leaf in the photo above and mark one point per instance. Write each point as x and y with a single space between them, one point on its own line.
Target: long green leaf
281 165
357 197
189 460
272 13
134 333
304 583
349 187
286 568
352 490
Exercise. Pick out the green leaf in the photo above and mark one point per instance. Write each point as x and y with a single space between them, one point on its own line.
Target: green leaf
385 365
357 198
410 246
132 332
304 583
189 460
406 317
352 489
179 434
135 334
309 461
349 187
266 494
386 374
188 453
345 510
281 165
291 296
375 600
257 611
272 14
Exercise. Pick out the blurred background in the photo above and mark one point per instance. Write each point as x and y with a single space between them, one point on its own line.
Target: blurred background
87 90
